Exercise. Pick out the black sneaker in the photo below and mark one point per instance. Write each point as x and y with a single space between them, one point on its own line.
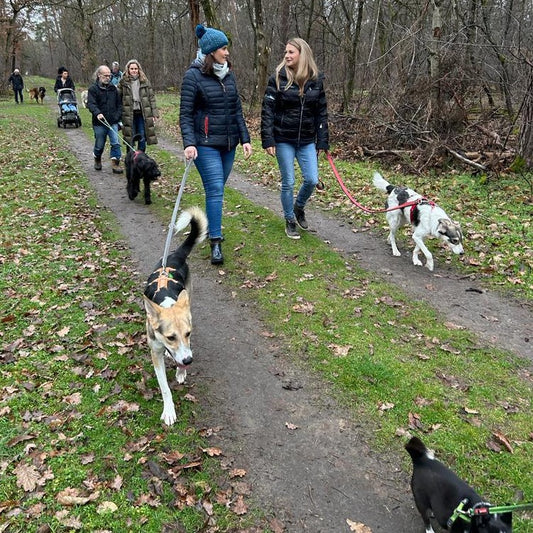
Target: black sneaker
300 217
290 229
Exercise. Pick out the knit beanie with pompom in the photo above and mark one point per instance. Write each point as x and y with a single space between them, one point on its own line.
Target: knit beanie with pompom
210 39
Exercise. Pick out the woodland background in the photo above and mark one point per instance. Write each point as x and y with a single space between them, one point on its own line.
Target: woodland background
428 84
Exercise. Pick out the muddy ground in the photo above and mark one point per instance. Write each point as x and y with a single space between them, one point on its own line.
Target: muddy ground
317 477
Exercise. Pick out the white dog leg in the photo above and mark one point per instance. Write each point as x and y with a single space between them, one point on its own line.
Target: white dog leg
420 246
181 375
169 412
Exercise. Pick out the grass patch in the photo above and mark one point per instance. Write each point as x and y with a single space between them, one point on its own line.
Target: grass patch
81 442
387 358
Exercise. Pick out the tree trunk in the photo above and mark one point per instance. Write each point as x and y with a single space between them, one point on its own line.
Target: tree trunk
525 142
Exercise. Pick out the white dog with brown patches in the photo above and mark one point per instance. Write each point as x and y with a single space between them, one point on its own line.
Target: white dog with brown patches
167 300
425 217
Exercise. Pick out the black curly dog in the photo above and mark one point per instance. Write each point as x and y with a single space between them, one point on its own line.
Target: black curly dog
140 166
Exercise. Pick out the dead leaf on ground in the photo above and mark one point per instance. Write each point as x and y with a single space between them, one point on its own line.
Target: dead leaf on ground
71 496
239 507
502 439
358 527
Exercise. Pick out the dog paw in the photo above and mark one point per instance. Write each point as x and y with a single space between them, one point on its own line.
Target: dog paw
181 375
417 262
169 415
429 265
147 201
396 253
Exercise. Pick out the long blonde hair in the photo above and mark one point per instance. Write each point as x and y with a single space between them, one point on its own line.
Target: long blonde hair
306 70
142 75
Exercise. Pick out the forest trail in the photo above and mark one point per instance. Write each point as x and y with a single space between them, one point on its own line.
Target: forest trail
316 478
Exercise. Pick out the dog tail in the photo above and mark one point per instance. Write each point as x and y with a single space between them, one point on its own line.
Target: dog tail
198 221
381 183
417 450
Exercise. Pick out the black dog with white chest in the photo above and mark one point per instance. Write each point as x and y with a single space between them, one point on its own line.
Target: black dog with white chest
438 493
140 166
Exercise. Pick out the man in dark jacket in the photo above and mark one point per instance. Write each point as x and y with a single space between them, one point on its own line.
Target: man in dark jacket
105 105
17 83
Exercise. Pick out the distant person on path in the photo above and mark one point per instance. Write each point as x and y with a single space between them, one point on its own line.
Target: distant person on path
212 124
63 80
17 84
139 110
294 126
116 73
106 108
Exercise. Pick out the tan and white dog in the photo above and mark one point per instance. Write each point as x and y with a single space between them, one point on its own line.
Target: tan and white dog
167 300
426 218
84 98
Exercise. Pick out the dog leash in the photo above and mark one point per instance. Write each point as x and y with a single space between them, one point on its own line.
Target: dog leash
106 123
356 203
481 510
174 215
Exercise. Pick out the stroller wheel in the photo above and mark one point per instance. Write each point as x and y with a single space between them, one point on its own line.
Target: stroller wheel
58 122
79 121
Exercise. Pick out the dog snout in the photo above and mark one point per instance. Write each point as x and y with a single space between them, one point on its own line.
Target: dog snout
187 360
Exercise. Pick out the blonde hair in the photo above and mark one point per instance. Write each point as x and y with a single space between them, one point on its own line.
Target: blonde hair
142 75
306 69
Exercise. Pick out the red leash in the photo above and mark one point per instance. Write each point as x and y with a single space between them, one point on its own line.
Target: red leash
355 202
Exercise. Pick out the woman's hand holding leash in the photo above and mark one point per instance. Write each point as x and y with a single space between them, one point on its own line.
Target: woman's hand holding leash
271 150
190 152
247 148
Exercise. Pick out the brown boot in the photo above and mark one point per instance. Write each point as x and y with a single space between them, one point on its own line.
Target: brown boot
115 165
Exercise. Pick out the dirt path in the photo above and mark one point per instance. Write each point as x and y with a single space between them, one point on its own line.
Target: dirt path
316 477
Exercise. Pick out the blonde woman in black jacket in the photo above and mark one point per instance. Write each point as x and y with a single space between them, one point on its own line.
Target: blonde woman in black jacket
294 125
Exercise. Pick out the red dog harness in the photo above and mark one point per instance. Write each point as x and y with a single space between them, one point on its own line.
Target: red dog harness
414 207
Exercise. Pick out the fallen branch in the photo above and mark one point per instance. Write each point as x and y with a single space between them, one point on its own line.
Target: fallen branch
466 160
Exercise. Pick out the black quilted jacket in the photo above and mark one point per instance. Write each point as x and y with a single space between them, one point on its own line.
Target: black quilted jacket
211 111
287 117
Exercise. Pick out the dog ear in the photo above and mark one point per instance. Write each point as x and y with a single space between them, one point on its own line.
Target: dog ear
183 298
442 228
152 309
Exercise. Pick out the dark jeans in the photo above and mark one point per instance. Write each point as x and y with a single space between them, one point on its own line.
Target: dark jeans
18 94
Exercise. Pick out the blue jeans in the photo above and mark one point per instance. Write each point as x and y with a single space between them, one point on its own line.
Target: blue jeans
100 135
138 129
307 160
214 166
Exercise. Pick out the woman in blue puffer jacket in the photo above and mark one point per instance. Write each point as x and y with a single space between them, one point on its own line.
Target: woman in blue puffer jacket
294 125
212 125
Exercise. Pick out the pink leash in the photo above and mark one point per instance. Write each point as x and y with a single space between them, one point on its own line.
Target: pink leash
355 202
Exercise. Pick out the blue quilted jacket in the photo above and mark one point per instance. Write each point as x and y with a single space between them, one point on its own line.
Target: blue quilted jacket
211 111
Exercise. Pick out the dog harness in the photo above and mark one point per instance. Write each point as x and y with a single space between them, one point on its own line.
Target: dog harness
414 207
162 280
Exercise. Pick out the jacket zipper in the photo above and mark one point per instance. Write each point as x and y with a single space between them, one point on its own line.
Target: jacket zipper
302 102
206 125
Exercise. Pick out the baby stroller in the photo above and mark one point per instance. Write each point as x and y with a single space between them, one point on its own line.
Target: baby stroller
68 108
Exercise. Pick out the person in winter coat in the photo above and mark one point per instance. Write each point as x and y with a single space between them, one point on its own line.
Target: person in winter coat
106 108
17 84
294 125
139 110
63 80
116 73
212 124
